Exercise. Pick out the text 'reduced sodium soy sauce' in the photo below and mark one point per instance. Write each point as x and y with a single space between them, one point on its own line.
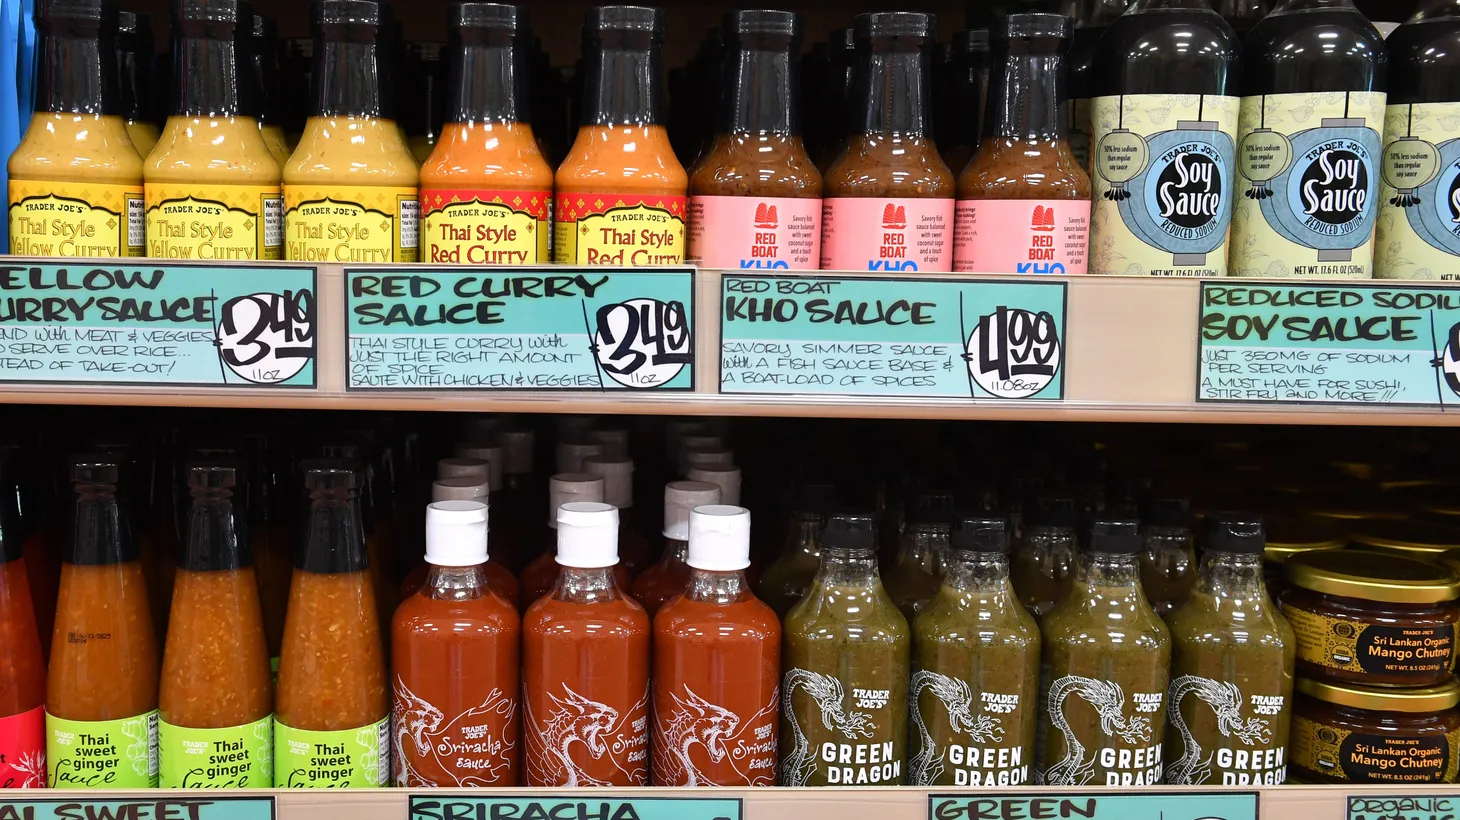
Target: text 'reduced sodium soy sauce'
1308 147
1419 192
1164 119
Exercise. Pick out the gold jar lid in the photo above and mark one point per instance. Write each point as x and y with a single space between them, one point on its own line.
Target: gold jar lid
1425 539
1373 576
1383 699
1289 535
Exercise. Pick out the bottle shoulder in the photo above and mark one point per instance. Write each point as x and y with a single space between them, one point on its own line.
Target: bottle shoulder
1313 50
221 150
622 160
1424 61
1167 51
881 165
499 156
1004 168
755 165
681 617
68 147
356 151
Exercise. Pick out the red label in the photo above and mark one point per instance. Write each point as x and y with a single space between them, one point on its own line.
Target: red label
865 233
470 227
619 229
1021 235
23 750
755 232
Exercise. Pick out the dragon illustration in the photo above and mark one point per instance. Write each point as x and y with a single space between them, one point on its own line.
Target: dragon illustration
1109 703
1226 700
826 690
693 721
31 766
572 719
958 700
414 720
423 729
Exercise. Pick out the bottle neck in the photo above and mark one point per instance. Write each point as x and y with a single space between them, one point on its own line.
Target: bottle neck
622 85
76 72
894 87
98 535
487 79
1232 575
265 82
1025 93
761 88
712 587
206 82
676 551
805 537
336 534
978 572
134 80
847 568
1103 571
455 583
925 545
213 537
586 585
347 78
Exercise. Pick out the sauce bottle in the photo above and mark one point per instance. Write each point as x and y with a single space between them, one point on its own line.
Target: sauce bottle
212 184
486 189
135 78
75 178
717 665
1023 200
968 85
725 476
1232 659
889 196
539 576
1308 147
1168 563
621 191
634 550
454 652
504 546
331 709
788 578
916 575
975 682
669 576
498 578
844 690
585 664
1418 200
1089 28
352 175
263 56
101 685
1044 563
425 103
1164 120
755 196
22 665
837 95
215 698
1104 671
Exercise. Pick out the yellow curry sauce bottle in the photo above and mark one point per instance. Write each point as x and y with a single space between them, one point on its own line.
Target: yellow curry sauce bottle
212 184
621 192
486 189
135 78
350 190
263 57
76 179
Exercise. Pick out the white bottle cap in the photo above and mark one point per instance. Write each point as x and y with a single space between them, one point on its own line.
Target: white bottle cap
618 478
456 533
459 489
727 478
490 453
571 454
615 440
568 487
518 449
464 468
700 457
587 534
679 498
719 538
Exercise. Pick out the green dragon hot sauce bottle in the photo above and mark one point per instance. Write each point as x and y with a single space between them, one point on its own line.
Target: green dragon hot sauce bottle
1044 563
1231 667
975 687
1103 682
844 689
1168 565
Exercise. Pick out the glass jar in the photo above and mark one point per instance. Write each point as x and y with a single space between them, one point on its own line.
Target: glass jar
1344 733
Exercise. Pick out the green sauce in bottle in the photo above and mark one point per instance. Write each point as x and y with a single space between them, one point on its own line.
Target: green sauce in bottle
1044 564
1168 564
788 578
914 578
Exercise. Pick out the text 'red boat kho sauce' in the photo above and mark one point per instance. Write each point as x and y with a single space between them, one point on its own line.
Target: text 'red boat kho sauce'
22 665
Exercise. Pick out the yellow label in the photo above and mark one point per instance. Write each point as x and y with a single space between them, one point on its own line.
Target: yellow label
1383 757
343 223
76 219
1418 236
1419 652
215 222
620 230
477 227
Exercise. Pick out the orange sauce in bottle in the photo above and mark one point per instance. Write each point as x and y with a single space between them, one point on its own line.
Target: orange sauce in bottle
669 576
22 666
539 576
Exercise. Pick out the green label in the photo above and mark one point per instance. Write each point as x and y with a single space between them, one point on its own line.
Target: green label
341 759
1419 199
236 757
157 808
102 754
1068 806
434 807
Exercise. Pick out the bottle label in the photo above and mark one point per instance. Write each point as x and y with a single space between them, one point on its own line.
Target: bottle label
474 748
477 227
79 219
620 230
23 750
216 222
236 757
699 743
1021 235
1361 757
881 234
350 224
748 232
1308 167
102 754
841 736
1418 234
966 737
1105 738
1423 653
1244 745
1164 180
337 759
1079 131
578 741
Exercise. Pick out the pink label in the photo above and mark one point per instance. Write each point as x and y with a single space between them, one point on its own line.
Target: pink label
754 232
1021 235
864 233
23 750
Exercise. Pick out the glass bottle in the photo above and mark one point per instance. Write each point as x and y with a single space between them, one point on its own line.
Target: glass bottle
1094 17
967 96
1044 562
1168 563
540 576
837 94
1241 15
135 54
424 108
788 578
499 578
670 575
634 550
915 577
22 664
264 58
1023 199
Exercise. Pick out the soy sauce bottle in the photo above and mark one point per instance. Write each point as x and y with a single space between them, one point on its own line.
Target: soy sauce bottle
1090 26
1309 144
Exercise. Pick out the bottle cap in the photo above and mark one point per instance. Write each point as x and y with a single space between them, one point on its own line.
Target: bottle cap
215 11
1052 511
1118 536
331 474
679 498
618 478
725 477
1235 532
1028 26
693 457
330 551
587 534
571 454
470 14
574 428
615 440
264 28
460 489
456 533
1167 512
464 468
219 548
895 24
345 13
627 18
971 40
518 447
850 531
763 21
492 454
565 488
131 22
94 468
719 538
980 533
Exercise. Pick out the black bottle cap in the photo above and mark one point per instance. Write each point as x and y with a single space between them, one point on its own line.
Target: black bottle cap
1235 532
763 21
213 11
103 11
1167 512
971 41
1120 536
221 546
895 24
488 15
850 531
1037 25
627 18
980 533
345 13
1052 511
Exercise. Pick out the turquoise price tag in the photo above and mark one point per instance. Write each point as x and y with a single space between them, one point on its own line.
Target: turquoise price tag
173 324
520 329
1404 807
1172 805
214 808
580 806
888 337
1351 344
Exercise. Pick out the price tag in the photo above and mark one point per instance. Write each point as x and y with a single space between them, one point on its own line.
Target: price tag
1355 344
1402 807
171 324
580 806
213 808
520 329
1165 805
885 337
